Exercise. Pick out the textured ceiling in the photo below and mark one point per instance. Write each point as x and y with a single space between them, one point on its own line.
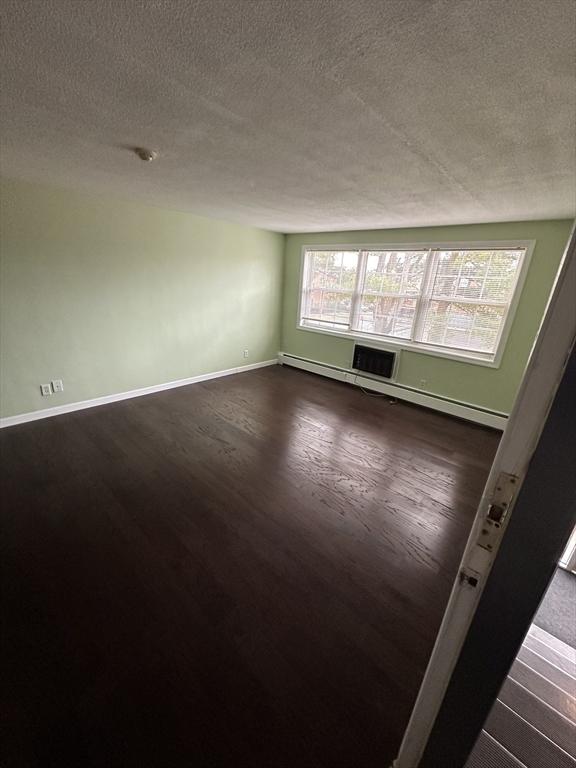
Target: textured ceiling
298 115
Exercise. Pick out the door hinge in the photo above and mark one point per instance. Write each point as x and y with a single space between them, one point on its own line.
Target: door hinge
492 525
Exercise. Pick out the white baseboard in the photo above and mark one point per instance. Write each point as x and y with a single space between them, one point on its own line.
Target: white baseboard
462 410
45 413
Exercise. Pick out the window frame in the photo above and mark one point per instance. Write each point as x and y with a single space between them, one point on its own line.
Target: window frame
389 342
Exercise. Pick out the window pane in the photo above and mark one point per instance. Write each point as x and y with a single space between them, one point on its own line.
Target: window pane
477 275
386 315
463 326
394 272
329 307
329 284
386 306
470 297
334 270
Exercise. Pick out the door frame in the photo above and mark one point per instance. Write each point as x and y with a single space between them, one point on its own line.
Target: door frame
544 372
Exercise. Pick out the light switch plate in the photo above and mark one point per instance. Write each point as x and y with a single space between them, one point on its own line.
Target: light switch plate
57 385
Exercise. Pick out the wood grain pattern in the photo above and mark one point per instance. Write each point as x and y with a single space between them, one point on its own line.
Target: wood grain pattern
244 573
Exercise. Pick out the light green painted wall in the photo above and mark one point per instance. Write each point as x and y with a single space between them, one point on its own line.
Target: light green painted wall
112 296
487 387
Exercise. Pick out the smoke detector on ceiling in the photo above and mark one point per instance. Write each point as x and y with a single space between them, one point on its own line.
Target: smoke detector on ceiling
146 154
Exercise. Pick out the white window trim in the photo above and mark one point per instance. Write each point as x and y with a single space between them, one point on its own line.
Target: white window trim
387 342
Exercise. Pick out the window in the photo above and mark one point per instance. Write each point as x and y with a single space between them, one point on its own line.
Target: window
443 299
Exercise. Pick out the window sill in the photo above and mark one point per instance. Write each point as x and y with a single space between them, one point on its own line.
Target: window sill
399 344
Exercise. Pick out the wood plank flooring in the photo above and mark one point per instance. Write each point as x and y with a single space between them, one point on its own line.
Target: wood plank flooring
244 573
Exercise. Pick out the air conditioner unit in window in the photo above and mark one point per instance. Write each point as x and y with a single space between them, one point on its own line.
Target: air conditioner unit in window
378 362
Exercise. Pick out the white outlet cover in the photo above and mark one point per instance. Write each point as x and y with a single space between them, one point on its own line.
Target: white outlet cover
45 390
57 385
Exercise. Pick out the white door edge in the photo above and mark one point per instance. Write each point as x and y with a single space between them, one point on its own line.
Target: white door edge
568 559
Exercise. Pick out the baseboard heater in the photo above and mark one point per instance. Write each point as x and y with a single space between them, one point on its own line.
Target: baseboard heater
466 411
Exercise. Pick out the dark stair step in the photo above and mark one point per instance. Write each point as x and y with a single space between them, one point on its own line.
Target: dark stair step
552 724
488 753
545 690
522 740
551 655
551 672
554 642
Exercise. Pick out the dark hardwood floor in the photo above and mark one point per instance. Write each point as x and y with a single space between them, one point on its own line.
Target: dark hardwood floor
245 573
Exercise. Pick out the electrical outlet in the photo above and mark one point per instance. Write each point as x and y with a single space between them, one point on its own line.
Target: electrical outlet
45 389
57 385
245 353
423 383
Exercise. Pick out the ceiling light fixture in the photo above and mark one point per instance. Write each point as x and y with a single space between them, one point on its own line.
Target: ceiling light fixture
146 154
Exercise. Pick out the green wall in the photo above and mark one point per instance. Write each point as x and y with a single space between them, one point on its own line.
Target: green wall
112 296
492 388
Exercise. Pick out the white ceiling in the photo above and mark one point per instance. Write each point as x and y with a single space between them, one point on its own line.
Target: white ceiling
298 115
